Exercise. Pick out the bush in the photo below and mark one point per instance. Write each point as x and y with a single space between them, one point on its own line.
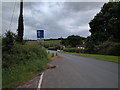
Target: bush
46 46
90 46
8 41
109 48
60 47
77 50
21 64
22 54
55 48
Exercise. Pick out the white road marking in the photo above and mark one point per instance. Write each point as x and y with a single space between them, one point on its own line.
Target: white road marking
40 81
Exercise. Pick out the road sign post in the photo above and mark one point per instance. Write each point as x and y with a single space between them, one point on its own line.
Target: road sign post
40 36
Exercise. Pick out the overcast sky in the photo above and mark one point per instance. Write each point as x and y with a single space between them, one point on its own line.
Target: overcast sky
58 19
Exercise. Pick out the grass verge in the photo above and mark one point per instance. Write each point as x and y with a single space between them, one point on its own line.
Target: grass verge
22 63
51 56
109 58
12 77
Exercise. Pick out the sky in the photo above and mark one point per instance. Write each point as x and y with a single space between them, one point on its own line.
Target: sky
57 19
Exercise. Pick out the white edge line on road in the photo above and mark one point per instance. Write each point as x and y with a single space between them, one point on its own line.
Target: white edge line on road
40 81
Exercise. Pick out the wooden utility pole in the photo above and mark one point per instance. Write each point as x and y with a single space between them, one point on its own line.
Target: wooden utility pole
20 29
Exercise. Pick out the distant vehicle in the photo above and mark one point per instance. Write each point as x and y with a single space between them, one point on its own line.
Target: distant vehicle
58 50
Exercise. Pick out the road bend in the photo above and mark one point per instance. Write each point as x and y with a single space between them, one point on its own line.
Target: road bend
80 72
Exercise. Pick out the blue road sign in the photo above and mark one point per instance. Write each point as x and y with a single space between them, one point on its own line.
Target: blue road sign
40 33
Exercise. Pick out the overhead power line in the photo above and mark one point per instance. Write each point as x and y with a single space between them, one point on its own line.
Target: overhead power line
12 16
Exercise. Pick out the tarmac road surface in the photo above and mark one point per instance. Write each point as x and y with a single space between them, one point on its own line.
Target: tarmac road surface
80 72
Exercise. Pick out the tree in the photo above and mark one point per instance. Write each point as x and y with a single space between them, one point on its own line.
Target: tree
104 28
20 24
72 41
90 44
64 42
8 41
106 23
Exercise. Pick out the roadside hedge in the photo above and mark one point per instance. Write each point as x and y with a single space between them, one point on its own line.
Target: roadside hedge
22 63
77 50
22 54
56 48
109 48
51 48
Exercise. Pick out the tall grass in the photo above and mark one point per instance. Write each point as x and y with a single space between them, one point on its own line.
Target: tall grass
15 76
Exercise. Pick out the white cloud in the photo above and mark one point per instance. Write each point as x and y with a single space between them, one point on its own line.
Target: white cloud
57 18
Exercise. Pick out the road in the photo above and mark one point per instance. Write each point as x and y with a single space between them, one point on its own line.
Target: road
80 72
